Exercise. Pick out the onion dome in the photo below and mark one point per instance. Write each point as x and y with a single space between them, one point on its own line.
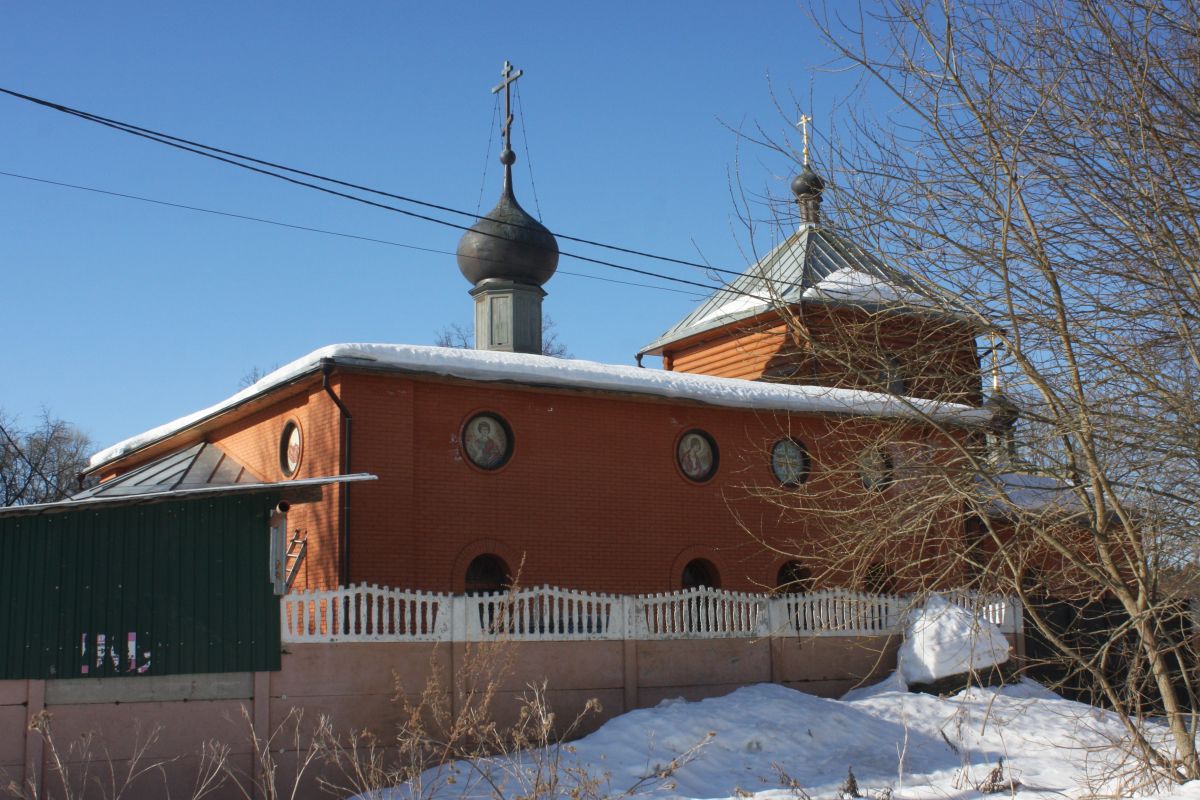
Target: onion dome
807 183
508 244
1005 412
807 186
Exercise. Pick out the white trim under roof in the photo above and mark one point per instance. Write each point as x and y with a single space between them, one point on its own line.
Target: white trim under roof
561 373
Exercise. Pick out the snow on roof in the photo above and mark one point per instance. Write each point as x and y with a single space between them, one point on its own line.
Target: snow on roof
817 264
481 365
1010 492
853 286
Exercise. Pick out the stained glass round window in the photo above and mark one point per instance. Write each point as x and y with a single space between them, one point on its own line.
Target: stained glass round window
790 462
291 448
487 441
696 455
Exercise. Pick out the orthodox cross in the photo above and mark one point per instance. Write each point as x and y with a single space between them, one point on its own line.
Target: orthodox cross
509 77
803 126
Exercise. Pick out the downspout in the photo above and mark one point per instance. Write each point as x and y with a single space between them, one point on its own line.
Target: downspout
344 534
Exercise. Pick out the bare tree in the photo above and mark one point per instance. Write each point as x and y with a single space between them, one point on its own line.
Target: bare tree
455 335
42 464
254 375
1040 163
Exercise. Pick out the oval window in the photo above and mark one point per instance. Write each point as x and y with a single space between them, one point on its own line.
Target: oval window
487 441
790 462
291 448
697 456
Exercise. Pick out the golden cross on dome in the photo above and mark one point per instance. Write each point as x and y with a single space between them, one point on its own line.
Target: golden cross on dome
510 78
803 126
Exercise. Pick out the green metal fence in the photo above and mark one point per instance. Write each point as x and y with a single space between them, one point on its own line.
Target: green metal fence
155 589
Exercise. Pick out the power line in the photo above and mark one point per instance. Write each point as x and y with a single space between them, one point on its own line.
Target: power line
159 138
199 148
324 231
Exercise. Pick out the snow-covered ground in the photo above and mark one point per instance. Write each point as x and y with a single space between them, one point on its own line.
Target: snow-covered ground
773 742
759 739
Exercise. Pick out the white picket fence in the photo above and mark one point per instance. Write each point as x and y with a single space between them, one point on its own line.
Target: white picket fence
840 613
698 614
364 613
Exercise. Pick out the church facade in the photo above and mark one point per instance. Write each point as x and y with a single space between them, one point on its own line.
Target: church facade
499 464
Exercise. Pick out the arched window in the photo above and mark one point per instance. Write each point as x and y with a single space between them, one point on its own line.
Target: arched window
879 580
487 573
700 572
794 578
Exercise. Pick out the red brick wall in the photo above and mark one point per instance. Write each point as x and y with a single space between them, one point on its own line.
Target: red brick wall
255 441
591 498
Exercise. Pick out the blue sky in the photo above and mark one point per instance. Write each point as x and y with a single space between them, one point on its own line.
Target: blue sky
120 315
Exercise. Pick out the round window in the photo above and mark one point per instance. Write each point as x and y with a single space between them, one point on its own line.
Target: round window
487 440
790 462
697 455
291 448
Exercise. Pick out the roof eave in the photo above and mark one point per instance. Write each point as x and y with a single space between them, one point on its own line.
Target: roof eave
199 422
295 491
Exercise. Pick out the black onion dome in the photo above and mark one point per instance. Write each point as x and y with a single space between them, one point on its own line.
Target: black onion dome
508 245
1005 412
807 183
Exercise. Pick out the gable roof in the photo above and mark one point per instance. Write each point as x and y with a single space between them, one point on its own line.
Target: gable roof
815 263
544 371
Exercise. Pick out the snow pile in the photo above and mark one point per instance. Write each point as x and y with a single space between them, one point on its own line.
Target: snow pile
753 741
943 639
535 370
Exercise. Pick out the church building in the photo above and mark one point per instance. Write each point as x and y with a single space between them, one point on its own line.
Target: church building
498 463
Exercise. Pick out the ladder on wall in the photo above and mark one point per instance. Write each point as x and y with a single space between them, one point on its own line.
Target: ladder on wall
296 550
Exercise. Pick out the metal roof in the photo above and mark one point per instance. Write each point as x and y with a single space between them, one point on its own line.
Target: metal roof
200 465
295 491
783 276
202 469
